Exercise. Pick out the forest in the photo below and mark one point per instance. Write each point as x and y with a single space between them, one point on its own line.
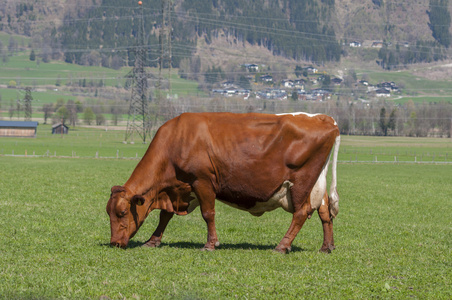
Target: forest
104 32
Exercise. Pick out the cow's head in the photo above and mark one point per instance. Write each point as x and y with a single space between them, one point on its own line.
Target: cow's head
127 213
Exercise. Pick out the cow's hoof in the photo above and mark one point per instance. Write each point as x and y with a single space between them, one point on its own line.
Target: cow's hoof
208 249
328 249
152 244
325 250
283 250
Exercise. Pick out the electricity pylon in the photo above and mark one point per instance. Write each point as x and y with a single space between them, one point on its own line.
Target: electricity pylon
138 120
166 32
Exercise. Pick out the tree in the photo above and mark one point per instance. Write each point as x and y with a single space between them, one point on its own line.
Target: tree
298 71
326 81
382 123
294 95
12 46
59 103
58 81
72 109
392 120
32 55
439 18
100 119
88 116
62 114
11 109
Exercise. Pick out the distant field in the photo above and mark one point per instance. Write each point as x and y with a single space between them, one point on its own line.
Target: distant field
400 149
424 99
105 142
413 84
393 236
30 73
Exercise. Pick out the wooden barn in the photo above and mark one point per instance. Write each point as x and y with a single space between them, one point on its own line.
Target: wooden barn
60 129
18 128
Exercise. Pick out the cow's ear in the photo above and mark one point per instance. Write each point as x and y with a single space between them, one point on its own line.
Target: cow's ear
137 199
117 189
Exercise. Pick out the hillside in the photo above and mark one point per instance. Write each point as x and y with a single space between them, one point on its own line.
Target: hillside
401 21
308 30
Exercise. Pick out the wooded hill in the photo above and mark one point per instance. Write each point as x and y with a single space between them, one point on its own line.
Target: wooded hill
103 32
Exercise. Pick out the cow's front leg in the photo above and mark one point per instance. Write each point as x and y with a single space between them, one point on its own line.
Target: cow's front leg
156 237
327 223
206 198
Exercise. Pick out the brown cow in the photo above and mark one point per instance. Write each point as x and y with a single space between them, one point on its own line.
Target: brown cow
254 162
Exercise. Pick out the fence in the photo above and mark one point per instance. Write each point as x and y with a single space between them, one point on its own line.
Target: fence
353 159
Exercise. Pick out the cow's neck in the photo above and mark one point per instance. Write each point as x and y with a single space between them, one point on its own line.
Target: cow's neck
149 176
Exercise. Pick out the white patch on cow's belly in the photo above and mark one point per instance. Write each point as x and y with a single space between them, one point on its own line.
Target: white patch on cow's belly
281 198
318 191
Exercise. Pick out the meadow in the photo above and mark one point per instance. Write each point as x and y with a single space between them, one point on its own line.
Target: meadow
107 142
393 233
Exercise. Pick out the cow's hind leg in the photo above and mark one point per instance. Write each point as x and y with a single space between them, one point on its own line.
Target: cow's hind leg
300 199
302 211
298 219
156 237
327 223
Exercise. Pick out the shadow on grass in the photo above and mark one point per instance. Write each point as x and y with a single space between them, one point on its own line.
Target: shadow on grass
224 246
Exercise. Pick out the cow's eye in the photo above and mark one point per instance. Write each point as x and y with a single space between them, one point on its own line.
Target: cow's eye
122 213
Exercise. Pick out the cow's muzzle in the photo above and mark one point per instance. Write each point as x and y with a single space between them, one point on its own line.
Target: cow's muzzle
118 245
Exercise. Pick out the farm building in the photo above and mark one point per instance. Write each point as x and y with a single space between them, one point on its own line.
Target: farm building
57 128
18 128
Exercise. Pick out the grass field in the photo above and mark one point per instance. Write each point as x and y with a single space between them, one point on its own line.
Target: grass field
413 84
393 233
104 142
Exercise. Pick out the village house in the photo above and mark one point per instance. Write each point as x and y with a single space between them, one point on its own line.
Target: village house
266 78
299 83
251 67
60 129
377 44
287 83
382 92
312 70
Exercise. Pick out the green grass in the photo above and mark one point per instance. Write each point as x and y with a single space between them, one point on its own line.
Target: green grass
29 73
400 149
424 99
80 142
412 83
393 238
393 233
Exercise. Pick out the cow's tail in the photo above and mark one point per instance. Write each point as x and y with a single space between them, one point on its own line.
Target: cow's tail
334 196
